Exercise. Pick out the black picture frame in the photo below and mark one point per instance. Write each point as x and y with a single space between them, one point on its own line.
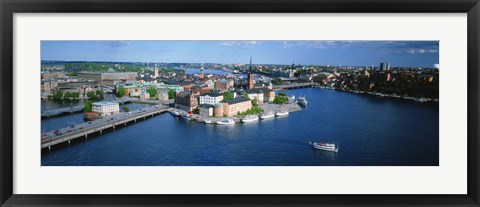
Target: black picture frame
10 7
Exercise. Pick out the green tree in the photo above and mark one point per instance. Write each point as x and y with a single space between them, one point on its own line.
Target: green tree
152 91
227 96
280 99
276 81
125 108
255 102
196 111
245 95
121 92
171 94
99 94
91 95
67 95
282 94
58 95
75 95
88 106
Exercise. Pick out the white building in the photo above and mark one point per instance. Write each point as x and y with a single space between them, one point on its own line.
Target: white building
106 108
211 98
256 95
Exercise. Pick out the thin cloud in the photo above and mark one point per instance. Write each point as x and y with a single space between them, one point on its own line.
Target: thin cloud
116 44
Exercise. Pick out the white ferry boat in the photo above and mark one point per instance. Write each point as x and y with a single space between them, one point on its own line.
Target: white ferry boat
226 122
250 118
324 146
302 100
267 115
282 112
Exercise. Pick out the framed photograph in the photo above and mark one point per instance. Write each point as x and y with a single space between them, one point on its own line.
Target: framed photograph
237 103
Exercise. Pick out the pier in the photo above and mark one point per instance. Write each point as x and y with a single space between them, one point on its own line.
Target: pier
296 85
98 126
76 109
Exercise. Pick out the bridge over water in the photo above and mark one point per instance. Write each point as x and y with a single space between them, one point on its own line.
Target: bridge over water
110 122
297 85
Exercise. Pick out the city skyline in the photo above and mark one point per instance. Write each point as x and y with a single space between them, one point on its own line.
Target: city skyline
352 53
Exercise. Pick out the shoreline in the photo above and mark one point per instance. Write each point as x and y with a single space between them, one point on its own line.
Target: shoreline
422 100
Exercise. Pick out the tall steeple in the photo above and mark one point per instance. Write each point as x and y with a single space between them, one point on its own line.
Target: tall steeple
250 67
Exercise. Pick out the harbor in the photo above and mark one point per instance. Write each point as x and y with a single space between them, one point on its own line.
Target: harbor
330 116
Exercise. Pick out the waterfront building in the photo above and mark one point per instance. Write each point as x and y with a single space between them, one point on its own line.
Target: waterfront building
218 109
233 106
268 95
205 110
186 101
106 108
131 88
109 78
47 87
144 96
163 97
211 98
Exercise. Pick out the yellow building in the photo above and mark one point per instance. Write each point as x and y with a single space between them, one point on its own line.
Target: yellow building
233 106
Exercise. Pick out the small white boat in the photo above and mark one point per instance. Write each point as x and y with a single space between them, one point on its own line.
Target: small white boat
302 100
250 118
186 116
324 146
208 121
226 122
175 113
282 112
267 115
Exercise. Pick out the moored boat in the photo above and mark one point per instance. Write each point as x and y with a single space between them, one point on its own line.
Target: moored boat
226 122
282 112
267 115
186 116
250 118
175 113
302 100
324 146
208 121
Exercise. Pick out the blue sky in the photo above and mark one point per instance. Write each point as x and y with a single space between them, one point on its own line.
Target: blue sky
358 53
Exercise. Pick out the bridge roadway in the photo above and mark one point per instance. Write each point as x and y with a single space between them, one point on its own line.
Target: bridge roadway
297 85
75 109
84 129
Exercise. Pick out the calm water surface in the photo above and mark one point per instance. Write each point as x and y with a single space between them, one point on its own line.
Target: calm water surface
370 131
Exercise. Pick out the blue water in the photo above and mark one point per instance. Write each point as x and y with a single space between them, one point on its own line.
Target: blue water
370 131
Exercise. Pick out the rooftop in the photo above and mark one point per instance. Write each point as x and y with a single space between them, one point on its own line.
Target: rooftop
104 103
237 100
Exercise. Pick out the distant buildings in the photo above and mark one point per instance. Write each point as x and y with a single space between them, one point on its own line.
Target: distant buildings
233 106
224 84
109 78
277 73
384 66
186 101
106 108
